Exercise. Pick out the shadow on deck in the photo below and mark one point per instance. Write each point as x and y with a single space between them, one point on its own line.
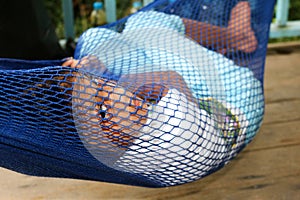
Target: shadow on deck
269 168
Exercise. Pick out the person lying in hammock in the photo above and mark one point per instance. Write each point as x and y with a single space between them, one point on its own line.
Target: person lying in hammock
156 103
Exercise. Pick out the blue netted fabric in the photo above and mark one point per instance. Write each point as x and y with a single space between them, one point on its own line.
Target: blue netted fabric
163 97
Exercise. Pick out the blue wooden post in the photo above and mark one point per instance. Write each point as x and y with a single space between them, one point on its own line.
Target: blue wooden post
68 18
282 12
110 9
146 2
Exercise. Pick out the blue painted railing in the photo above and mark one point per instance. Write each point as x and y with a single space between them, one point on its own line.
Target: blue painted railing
282 27
67 6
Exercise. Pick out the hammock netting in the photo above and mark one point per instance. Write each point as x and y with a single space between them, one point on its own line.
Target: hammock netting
163 97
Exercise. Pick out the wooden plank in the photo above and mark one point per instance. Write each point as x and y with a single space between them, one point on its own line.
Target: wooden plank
282 77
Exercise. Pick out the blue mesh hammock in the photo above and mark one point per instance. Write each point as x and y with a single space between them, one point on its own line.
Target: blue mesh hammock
163 97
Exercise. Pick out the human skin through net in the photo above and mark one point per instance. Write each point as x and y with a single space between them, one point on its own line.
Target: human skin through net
126 105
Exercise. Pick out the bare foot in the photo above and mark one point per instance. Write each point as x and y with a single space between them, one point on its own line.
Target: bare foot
88 61
71 62
240 30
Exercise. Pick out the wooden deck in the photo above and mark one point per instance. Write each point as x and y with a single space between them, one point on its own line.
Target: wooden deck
269 168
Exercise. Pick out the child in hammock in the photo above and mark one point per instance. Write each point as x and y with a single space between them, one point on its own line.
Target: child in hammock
151 57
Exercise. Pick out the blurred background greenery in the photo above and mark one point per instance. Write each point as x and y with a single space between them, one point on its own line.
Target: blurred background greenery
82 12
83 9
294 10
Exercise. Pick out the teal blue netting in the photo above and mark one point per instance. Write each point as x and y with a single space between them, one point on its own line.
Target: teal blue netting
163 97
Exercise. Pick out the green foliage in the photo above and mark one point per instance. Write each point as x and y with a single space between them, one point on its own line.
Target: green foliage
285 39
294 10
123 6
54 8
82 11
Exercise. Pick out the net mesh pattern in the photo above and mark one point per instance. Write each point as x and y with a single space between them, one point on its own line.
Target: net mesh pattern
163 97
